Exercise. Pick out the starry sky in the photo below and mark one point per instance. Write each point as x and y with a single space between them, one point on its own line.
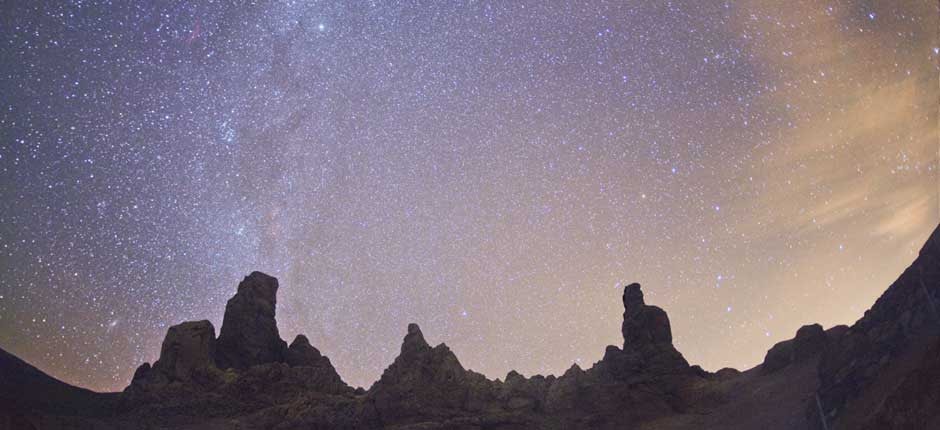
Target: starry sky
493 171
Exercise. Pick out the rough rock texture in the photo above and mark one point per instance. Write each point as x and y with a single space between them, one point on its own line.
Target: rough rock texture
881 372
314 368
188 384
427 384
187 347
249 333
301 353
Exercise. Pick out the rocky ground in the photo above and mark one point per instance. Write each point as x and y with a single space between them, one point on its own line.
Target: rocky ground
883 372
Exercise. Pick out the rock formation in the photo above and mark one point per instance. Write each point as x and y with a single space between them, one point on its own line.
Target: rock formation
186 348
425 383
248 368
893 339
249 333
882 372
810 340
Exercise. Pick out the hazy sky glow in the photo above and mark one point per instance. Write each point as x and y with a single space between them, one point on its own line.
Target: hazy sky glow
493 171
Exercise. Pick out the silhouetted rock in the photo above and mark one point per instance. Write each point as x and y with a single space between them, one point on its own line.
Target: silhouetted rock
427 383
810 340
647 341
859 371
186 347
301 353
186 364
315 369
249 333
643 325
881 372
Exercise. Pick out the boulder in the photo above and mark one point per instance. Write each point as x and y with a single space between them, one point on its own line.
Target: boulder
187 347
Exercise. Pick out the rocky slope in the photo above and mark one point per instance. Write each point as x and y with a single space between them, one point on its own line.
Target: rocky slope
882 372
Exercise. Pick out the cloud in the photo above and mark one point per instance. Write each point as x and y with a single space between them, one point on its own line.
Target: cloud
857 140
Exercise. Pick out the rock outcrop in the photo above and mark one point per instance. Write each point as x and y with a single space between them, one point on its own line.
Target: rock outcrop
647 341
810 340
248 368
648 373
187 347
427 384
881 372
249 333
643 325
858 373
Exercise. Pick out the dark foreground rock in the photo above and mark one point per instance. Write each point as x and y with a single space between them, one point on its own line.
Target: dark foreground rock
880 373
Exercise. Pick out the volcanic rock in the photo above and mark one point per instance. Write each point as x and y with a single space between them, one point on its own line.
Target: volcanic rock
301 353
249 332
810 340
643 325
647 341
859 372
186 347
881 372
427 383
314 368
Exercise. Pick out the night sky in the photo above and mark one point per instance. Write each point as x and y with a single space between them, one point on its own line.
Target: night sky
493 171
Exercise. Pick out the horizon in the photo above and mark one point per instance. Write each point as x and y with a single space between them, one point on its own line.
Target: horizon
501 378
492 172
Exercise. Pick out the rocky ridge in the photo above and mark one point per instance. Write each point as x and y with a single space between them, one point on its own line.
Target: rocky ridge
882 372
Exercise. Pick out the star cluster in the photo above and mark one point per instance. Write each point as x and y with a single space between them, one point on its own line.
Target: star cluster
493 171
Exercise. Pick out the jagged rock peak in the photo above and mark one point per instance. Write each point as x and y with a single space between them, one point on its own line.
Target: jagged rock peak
261 287
302 353
414 340
301 342
642 324
632 296
249 334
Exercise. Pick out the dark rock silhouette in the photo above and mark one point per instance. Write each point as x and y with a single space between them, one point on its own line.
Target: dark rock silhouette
249 333
643 325
186 348
426 382
882 372
894 339
810 340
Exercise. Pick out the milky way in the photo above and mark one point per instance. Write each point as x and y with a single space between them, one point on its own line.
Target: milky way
493 171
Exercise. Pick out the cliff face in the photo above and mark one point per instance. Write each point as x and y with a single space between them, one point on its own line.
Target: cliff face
883 367
882 372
